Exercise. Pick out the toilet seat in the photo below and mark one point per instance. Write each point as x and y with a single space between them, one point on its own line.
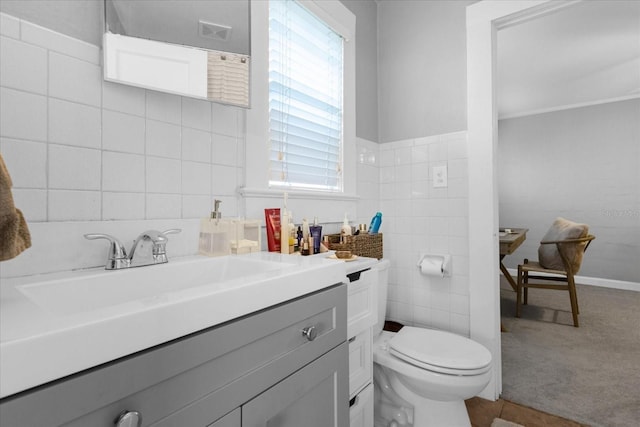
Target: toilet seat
440 351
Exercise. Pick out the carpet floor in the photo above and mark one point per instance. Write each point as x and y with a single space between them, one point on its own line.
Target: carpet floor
589 374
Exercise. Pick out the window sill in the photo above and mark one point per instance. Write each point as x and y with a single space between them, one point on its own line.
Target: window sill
295 194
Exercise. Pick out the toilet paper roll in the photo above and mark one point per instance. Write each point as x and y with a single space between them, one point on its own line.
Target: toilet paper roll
432 267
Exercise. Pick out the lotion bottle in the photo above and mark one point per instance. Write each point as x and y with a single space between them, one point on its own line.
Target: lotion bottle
284 228
375 223
284 233
316 233
346 228
305 229
292 234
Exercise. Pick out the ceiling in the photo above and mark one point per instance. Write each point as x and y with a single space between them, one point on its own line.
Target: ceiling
579 55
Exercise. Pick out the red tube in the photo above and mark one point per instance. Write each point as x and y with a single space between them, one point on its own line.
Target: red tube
272 219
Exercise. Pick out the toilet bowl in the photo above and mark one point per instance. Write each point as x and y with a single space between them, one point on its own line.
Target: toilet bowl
423 376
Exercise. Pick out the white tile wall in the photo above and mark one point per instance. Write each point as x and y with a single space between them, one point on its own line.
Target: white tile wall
163 175
418 217
122 206
23 115
26 162
28 74
123 98
196 114
163 139
196 178
123 132
196 146
73 205
79 148
74 124
368 178
74 168
60 43
164 107
123 172
395 178
74 79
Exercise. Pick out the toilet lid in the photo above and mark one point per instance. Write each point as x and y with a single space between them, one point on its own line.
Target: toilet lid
440 351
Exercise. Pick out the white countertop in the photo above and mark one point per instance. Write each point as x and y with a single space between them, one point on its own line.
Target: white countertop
40 343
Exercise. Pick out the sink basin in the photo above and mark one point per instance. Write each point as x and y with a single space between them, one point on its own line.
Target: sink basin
57 324
95 290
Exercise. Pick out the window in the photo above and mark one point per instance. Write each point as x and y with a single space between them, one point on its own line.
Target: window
306 114
256 191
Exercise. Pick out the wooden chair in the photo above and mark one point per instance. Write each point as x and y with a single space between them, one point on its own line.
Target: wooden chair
571 251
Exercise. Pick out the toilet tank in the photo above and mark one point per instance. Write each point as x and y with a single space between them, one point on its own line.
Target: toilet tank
383 284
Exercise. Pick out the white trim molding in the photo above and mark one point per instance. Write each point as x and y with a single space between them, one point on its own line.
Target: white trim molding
483 21
568 107
297 194
596 281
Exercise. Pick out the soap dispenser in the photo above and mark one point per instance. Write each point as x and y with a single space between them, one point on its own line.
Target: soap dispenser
214 234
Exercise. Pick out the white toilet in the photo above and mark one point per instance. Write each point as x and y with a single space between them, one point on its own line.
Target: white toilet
422 376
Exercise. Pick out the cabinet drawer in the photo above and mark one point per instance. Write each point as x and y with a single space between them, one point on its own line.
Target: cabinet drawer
361 409
211 372
315 396
363 302
360 362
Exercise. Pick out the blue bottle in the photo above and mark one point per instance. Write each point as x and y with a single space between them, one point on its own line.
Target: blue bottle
376 221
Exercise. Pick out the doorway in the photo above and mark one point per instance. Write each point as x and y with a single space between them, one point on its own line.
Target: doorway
484 19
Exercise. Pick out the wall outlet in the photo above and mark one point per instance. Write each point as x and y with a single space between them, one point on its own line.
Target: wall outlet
440 176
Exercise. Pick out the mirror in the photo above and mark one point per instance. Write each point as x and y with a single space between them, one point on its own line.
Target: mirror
197 48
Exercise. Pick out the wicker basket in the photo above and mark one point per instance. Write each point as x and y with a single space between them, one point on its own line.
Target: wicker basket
369 245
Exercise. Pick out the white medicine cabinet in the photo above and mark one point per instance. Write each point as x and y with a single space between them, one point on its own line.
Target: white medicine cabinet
185 47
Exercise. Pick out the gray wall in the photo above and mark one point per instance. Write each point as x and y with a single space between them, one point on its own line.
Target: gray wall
422 68
81 19
582 164
366 13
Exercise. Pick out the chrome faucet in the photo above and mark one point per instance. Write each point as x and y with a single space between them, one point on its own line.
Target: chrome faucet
149 248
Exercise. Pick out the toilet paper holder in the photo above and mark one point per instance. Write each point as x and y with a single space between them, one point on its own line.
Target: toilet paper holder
443 260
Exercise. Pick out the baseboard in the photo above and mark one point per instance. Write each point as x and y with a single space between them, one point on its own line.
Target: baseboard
597 281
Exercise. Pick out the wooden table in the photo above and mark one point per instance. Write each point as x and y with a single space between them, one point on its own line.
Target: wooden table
510 240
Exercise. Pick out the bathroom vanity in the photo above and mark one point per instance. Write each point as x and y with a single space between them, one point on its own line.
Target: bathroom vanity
283 361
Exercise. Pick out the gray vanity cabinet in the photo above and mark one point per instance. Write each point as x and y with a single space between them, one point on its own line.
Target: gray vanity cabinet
232 419
268 368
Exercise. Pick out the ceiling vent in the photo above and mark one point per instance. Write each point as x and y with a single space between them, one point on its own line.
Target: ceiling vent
213 31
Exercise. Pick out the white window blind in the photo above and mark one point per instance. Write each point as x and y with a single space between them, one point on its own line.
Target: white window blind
305 100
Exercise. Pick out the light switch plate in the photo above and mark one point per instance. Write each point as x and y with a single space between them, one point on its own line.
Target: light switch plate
440 176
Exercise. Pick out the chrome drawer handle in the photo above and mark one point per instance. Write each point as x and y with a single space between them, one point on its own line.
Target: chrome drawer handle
310 332
128 419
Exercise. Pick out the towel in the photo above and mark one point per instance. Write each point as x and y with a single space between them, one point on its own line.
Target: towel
14 233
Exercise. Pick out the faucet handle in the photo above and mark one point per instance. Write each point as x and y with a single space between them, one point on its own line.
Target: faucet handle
172 231
155 236
160 239
117 256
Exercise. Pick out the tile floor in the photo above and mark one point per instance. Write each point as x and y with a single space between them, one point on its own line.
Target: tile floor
482 412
